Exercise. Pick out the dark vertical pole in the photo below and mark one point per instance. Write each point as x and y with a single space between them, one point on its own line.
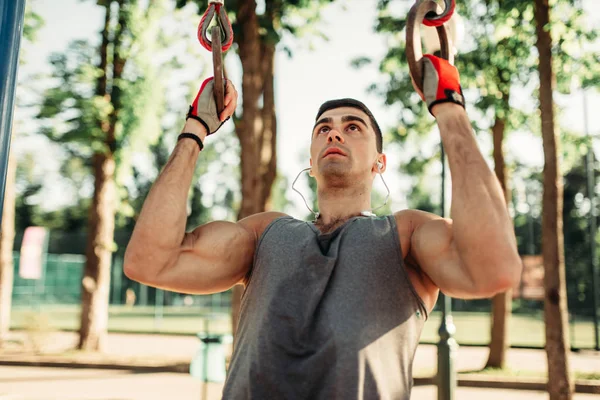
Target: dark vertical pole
11 29
159 302
530 228
116 280
591 183
447 346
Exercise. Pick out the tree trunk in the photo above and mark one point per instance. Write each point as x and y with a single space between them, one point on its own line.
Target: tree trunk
502 302
560 384
96 280
256 129
7 238
248 127
268 146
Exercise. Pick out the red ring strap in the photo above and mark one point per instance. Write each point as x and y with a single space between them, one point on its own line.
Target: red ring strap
222 20
443 20
226 25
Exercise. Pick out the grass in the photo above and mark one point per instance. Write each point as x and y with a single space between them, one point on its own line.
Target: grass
517 373
174 320
510 373
471 328
524 330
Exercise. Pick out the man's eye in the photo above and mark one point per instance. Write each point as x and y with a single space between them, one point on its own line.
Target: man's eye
324 129
353 127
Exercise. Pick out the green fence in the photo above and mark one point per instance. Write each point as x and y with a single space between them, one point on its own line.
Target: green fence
60 284
57 296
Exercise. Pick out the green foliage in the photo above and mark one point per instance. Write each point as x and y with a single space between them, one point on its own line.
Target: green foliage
526 203
277 18
420 195
279 199
420 199
573 63
413 118
501 58
71 113
28 205
32 23
75 111
577 212
576 215
498 63
216 185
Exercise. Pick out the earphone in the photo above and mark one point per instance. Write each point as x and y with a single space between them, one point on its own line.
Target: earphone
366 213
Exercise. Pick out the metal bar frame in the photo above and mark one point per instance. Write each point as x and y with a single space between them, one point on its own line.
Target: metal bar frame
12 14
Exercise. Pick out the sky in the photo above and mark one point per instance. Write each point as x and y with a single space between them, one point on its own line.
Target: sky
313 75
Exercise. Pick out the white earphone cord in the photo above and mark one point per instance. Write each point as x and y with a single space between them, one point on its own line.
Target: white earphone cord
368 213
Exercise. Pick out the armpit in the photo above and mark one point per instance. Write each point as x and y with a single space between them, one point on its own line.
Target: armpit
424 286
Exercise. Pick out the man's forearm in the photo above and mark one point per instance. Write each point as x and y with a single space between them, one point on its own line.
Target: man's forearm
482 228
160 227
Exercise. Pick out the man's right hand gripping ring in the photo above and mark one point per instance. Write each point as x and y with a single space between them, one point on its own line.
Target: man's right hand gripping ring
204 108
414 51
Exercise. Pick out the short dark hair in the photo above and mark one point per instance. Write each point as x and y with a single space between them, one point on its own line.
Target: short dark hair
337 103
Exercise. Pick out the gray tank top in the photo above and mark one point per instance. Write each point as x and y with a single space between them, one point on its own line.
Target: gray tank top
327 316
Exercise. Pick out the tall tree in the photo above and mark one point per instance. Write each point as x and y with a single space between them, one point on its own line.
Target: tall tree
32 23
106 112
96 277
560 383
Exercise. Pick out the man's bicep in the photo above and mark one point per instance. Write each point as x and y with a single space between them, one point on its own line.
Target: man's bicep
433 248
216 256
212 258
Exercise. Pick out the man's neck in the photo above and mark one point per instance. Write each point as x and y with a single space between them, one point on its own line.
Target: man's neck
338 205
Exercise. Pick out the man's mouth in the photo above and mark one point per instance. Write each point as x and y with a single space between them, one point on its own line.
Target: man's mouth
333 151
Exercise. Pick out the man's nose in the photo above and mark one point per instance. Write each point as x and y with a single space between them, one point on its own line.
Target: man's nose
334 135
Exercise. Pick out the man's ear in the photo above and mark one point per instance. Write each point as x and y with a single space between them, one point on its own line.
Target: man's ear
310 172
380 164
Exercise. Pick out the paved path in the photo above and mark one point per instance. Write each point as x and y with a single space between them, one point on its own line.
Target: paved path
30 383
33 383
184 348
474 358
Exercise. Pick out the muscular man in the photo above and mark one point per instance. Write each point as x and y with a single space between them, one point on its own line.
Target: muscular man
333 309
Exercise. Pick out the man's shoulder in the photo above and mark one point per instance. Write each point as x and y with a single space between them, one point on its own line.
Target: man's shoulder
257 223
413 216
409 220
409 216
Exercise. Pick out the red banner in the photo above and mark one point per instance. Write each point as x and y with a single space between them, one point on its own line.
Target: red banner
33 250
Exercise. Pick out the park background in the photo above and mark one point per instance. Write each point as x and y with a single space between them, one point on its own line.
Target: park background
331 49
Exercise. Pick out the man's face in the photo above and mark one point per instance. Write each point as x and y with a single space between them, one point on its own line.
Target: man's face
343 145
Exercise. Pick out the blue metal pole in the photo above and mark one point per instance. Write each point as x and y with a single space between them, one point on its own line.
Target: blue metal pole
11 29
